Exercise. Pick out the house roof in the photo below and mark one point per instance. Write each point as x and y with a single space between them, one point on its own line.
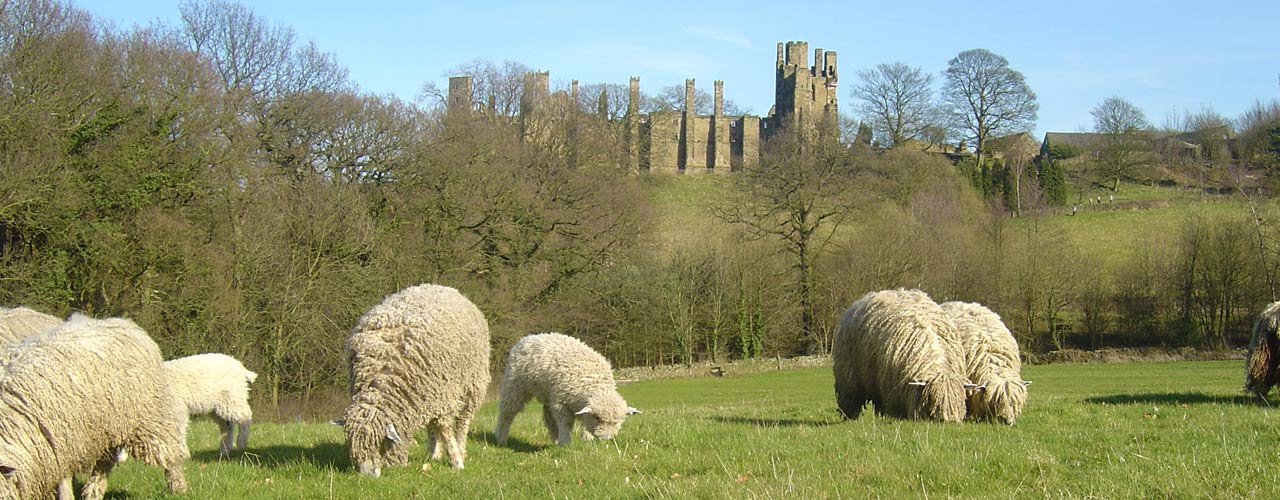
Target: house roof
1077 139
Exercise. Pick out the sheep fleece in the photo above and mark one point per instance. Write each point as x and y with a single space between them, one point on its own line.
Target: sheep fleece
567 376
886 341
72 395
213 383
991 360
20 322
418 359
1262 369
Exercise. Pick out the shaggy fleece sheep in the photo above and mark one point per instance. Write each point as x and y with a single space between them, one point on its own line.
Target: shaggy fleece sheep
71 396
1262 370
571 380
19 322
418 359
891 349
218 384
991 362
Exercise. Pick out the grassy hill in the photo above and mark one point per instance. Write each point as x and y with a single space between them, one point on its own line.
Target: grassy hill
1112 431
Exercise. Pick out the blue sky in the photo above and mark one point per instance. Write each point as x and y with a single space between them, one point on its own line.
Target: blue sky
1167 57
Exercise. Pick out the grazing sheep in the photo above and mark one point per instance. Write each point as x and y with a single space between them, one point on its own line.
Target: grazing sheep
418 359
891 349
570 380
20 322
1262 370
214 383
991 362
72 396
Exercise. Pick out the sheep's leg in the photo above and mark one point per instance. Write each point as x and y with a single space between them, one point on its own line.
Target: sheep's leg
174 477
451 446
460 428
549 420
850 402
242 438
66 491
564 428
508 407
225 430
96 486
433 444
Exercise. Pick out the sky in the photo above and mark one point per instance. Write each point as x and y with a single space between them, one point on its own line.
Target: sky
1167 57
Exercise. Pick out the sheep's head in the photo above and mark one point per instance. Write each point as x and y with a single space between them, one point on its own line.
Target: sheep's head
941 398
373 439
603 415
1003 401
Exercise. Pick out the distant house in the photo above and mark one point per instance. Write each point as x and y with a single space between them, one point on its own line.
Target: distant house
1019 147
1069 145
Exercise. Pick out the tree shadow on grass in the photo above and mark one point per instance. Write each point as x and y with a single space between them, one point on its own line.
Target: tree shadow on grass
322 455
516 444
1174 398
773 422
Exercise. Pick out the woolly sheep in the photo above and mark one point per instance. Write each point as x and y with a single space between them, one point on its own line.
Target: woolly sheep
890 349
214 383
72 396
991 362
19 322
1261 370
570 380
418 359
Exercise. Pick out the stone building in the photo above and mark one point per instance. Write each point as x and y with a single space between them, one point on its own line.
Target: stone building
684 142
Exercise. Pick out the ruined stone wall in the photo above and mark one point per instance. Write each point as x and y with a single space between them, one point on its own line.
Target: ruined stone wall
699 149
663 139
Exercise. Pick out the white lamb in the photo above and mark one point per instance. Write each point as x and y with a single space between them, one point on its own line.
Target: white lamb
890 349
991 360
72 396
19 322
570 379
418 359
218 384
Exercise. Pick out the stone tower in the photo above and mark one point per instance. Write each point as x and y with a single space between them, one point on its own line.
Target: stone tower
803 94
459 99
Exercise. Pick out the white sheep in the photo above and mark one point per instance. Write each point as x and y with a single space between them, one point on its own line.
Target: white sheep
1262 368
218 384
19 322
72 396
890 349
992 362
418 359
570 379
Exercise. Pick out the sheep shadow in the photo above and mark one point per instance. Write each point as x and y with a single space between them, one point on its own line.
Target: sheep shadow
322 455
773 422
1176 398
514 443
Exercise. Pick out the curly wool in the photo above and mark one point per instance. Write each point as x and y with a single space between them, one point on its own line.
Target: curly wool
71 396
566 376
20 322
1262 369
887 344
418 359
991 361
214 383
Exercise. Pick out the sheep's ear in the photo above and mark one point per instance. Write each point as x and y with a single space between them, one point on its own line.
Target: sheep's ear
1025 383
631 410
918 383
975 387
391 434
340 422
585 410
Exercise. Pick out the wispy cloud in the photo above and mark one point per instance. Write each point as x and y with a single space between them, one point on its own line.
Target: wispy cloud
719 34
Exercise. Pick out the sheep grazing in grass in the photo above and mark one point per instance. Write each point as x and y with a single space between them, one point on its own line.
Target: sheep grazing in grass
72 396
19 322
991 362
891 349
418 359
1262 370
571 380
218 384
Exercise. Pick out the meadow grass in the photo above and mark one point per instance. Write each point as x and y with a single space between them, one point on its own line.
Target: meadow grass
1133 430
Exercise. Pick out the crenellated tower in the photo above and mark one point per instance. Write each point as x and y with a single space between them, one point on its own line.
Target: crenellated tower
805 94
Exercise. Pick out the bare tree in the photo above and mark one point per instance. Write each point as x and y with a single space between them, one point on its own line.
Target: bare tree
671 98
984 96
1122 137
896 99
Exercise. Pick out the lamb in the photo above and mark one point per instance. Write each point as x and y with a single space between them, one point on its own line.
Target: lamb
72 396
418 359
991 362
1262 370
891 349
570 380
20 322
214 383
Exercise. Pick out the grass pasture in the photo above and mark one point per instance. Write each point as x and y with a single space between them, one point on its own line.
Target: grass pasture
1131 430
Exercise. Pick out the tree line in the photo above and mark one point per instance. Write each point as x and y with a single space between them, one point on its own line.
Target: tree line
230 189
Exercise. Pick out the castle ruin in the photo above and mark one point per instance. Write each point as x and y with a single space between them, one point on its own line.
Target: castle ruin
684 142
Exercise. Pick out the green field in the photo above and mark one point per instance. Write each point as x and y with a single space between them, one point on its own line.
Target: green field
1090 430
